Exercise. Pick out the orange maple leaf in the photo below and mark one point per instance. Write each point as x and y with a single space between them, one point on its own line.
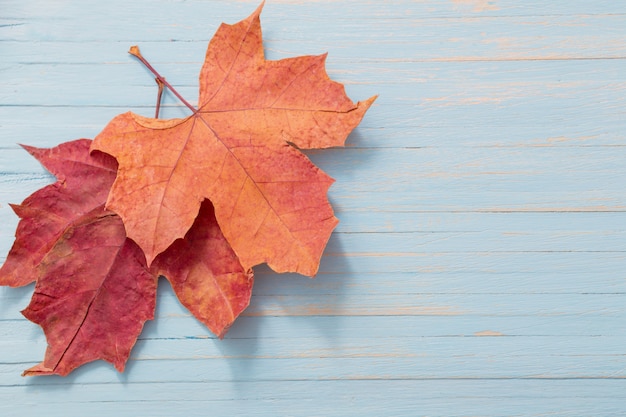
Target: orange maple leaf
238 150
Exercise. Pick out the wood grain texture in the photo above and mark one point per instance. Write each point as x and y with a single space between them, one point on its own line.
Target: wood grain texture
479 268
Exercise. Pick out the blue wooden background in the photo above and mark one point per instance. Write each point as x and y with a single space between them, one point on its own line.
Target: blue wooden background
479 268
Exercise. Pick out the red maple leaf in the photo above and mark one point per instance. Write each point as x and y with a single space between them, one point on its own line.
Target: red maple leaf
92 296
236 150
47 213
205 273
94 290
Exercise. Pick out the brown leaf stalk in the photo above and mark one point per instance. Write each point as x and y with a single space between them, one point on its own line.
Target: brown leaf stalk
134 50
159 96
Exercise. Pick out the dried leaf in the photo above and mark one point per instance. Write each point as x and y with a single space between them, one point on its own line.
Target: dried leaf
94 290
47 213
206 274
270 200
92 297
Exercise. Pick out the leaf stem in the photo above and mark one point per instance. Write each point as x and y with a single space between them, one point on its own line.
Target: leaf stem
159 96
134 50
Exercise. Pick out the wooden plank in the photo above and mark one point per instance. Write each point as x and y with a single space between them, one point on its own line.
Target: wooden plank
521 36
449 180
446 105
353 398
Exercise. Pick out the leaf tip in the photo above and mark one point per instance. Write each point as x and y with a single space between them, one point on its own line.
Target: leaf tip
39 369
34 151
15 208
367 103
257 12
363 106
260 7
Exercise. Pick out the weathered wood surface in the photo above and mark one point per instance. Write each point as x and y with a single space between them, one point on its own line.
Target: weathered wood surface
480 264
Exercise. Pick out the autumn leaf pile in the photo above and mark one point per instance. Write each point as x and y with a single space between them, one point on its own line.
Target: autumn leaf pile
199 200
